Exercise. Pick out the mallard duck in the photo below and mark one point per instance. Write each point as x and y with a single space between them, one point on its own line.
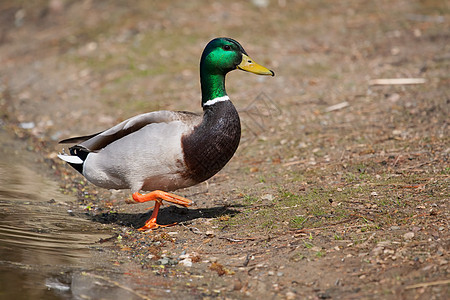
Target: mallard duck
164 151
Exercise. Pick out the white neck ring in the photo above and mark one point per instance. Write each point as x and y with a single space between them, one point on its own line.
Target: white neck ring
215 100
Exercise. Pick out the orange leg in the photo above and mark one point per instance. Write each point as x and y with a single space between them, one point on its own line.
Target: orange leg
158 196
151 223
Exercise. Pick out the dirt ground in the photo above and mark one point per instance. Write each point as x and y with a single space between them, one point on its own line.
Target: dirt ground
340 187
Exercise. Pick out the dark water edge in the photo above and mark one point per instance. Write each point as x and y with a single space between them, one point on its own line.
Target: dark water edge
44 250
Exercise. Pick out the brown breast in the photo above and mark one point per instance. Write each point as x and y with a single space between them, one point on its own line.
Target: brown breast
212 143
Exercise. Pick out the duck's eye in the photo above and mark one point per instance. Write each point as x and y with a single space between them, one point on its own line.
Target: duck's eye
227 47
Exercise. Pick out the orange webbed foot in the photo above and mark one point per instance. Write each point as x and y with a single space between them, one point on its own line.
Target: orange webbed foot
158 196
153 196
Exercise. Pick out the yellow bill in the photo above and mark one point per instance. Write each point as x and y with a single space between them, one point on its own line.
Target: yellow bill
247 64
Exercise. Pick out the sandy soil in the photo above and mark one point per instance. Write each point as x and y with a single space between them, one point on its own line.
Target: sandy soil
340 186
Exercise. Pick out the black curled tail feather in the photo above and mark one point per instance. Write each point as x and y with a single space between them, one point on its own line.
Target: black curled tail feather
82 153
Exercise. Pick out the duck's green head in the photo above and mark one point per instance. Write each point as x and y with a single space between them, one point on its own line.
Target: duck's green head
221 56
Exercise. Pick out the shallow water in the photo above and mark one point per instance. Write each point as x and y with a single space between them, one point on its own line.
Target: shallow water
43 248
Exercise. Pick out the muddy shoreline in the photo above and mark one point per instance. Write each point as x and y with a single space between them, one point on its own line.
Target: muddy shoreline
339 189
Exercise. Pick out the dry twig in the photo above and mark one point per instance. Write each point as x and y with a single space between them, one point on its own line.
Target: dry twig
397 81
427 284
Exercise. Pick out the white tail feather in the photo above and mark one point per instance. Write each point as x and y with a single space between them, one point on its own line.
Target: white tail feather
70 159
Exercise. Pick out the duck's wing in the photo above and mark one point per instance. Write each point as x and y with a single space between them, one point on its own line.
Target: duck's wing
100 140
79 139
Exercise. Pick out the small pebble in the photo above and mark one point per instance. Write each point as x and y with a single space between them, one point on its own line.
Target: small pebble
377 251
237 286
27 125
290 295
187 262
261 3
408 235
210 233
55 284
267 197
163 261
184 256
324 295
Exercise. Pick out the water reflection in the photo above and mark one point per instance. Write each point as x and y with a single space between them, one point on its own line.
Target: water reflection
41 245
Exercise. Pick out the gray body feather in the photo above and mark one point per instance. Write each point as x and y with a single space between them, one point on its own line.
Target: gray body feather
141 153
